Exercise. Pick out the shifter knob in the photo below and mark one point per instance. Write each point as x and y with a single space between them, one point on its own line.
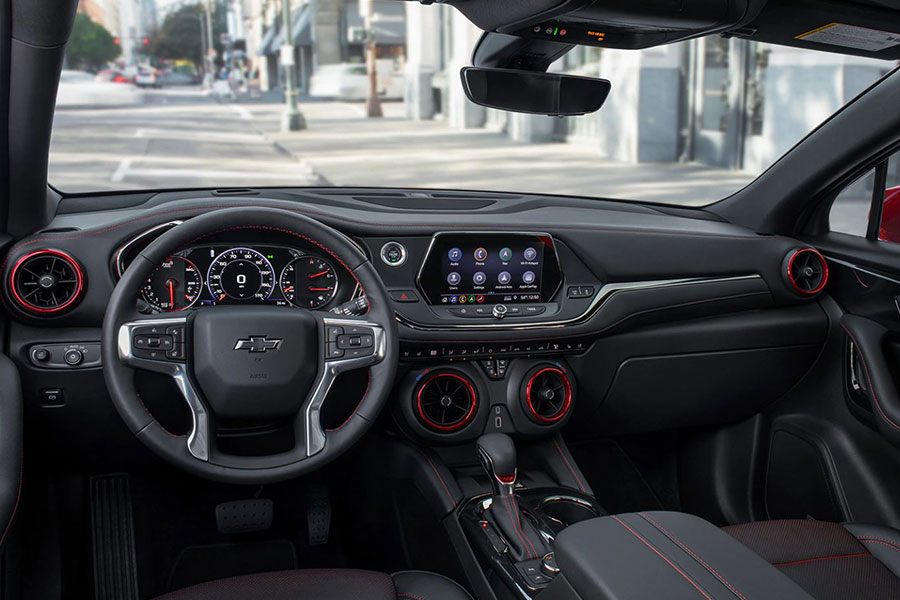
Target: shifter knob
497 454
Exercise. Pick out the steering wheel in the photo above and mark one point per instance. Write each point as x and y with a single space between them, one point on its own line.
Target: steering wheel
249 362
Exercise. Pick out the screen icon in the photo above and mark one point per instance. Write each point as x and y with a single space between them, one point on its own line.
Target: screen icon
480 254
505 254
479 299
471 299
530 254
462 299
528 277
479 278
452 299
504 277
454 255
454 278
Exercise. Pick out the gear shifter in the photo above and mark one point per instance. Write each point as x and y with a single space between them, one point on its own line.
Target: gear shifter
497 454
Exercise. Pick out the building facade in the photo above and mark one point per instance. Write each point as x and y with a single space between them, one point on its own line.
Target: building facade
728 103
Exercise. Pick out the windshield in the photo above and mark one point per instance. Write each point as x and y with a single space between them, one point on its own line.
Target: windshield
162 94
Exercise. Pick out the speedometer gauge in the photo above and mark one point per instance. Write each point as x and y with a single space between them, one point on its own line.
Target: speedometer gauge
309 281
174 285
240 274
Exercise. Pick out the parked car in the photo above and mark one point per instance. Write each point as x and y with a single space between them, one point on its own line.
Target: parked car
349 81
112 76
147 77
178 78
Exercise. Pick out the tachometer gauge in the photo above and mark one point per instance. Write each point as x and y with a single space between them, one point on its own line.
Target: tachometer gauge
174 285
240 274
309 281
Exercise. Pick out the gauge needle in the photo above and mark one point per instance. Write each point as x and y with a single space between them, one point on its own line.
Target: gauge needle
289 289
171 293
320 289
318 274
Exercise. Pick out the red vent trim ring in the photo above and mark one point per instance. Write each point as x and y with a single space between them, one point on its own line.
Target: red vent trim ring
566 404
79 276
455 426
791 273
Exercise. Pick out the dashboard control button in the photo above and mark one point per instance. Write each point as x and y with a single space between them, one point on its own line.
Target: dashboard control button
531 311
499 311
403 296
73 357
52 397
41 354
393 254
514 310
580 291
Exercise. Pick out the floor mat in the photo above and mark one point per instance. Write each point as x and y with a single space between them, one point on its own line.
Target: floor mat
197 564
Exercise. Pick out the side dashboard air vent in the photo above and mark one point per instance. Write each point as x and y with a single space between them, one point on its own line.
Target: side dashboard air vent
806 271
46 281
446 402
548 395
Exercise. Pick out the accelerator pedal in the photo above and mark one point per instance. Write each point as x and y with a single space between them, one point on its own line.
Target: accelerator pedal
318 514
244 516
112 538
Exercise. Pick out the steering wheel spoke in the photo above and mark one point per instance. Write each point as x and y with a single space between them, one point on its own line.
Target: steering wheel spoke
348 344
160 345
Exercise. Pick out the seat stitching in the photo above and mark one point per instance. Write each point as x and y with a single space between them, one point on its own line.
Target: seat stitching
869 379
878 540
694 555
662 556
820 558
569 466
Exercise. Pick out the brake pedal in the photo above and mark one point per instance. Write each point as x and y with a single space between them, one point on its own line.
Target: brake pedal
244 516
318 514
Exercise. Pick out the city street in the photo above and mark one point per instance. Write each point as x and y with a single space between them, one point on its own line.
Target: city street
181 137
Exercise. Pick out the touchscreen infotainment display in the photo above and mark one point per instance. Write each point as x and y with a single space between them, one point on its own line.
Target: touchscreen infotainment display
490 268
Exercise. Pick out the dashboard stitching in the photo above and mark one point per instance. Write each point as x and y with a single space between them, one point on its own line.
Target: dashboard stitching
295 234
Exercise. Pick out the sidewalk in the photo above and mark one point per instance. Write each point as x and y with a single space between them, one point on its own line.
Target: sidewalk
345 148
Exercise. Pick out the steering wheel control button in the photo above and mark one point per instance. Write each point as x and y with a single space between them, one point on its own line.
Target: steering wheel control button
499 311
334 352
73 357
393 254
404 296
177 333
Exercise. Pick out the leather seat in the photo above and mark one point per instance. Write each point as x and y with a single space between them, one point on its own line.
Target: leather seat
829 561
326 584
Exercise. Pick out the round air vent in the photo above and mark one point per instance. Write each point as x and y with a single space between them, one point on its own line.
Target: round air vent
548 395
46 281
807 271
446 402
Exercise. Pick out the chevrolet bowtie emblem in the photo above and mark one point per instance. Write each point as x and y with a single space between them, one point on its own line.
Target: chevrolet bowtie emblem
257 343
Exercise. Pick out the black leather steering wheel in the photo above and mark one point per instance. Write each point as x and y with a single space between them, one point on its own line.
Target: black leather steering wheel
248 362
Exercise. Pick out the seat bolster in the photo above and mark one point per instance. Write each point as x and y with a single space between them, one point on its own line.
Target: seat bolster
882 542
422 585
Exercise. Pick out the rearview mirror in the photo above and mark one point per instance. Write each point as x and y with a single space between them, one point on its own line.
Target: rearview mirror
533 92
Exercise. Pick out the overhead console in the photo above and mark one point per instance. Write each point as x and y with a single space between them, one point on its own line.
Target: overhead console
609 23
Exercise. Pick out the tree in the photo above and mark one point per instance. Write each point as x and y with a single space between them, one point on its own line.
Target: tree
180 35
90 46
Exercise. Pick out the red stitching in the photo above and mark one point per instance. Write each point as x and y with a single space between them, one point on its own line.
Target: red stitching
869 379
818 558
517 527
569 466
353 414
662 556
881 542
441 479
408 595
695 557
873 538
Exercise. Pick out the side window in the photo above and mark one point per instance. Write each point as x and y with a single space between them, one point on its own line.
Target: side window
870 206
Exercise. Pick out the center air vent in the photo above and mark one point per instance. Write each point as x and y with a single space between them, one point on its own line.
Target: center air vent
806 271
46 281
548 395
446 402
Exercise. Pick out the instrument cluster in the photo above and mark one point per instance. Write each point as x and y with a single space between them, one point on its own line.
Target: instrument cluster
226 274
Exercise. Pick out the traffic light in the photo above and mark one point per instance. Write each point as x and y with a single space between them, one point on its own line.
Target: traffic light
117 41
146 41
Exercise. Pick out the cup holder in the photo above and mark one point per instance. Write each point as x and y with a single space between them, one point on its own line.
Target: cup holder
567 510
